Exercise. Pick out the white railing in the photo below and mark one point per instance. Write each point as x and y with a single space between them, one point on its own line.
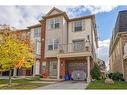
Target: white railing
71 47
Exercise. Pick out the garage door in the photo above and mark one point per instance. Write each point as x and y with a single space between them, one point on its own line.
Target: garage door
77 70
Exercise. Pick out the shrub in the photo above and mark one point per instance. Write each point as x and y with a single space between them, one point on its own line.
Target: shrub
95 73
110 75
116 76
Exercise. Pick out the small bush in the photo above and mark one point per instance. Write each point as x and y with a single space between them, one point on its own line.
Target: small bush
95 73
116 76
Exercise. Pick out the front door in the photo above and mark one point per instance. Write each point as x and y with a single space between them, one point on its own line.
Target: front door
53 69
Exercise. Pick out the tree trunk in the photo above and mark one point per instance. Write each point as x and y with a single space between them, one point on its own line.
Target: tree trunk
10 75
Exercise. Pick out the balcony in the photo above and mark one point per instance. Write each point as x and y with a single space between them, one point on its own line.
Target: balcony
78 49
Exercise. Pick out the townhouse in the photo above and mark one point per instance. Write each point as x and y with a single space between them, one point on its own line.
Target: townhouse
63 46
118 45
70 46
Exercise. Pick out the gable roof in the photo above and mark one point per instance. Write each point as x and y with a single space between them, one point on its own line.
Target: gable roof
54 15
54 9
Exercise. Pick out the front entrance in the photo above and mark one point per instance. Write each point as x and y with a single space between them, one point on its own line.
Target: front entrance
53 69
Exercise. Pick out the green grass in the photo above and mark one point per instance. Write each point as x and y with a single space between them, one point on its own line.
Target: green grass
99 84
20 84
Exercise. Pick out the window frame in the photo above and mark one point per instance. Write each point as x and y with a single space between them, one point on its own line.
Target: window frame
37 32
53 42
52 23
78 24
38 47
75 45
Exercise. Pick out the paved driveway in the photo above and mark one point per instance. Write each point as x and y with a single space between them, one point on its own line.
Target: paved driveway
66 85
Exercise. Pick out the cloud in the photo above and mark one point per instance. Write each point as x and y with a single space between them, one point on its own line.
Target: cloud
23 16
100 9
103 51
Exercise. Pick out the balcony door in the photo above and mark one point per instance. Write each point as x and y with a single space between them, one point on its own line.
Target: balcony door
78 45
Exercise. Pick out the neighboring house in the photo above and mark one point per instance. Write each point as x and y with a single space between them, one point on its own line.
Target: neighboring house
32 36
118 45
35 37
102 66
70 45
23 35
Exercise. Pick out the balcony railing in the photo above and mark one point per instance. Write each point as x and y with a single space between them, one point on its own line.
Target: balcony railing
73 48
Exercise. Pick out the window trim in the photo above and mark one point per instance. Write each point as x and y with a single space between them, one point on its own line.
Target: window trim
37 32
38 47
54 22
53 42
77 25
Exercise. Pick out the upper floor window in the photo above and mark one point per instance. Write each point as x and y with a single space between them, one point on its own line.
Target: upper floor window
37 32
78 45
53 44
54 23
38 47
78 26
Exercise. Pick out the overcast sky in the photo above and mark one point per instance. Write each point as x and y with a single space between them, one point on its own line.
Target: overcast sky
23 16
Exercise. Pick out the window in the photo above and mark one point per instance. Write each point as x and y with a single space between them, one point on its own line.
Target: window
53 44
37 32
43 66
38 47
51 24
54 23
78 45
78 26
57 23
88 37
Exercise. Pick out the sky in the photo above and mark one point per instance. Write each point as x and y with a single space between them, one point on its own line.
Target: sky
24 16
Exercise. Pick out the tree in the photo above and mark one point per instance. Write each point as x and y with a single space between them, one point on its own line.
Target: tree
95 73
12 50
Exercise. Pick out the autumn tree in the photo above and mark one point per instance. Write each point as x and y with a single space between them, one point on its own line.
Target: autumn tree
12 50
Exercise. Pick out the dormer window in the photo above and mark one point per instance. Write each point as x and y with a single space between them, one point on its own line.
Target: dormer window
54 23
78 26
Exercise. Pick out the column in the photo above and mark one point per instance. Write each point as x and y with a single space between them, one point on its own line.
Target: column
88 69
15 72
36 68
58 69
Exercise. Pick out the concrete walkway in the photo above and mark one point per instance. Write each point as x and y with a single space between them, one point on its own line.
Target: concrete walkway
65 85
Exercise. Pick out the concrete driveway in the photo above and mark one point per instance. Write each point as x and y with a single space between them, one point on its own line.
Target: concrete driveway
79 85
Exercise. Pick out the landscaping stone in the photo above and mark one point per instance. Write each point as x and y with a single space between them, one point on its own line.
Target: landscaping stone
109 81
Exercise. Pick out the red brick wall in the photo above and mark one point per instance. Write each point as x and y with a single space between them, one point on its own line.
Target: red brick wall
62 68
42 44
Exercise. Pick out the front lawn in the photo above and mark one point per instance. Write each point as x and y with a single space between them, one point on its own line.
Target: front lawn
21 84
99 84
